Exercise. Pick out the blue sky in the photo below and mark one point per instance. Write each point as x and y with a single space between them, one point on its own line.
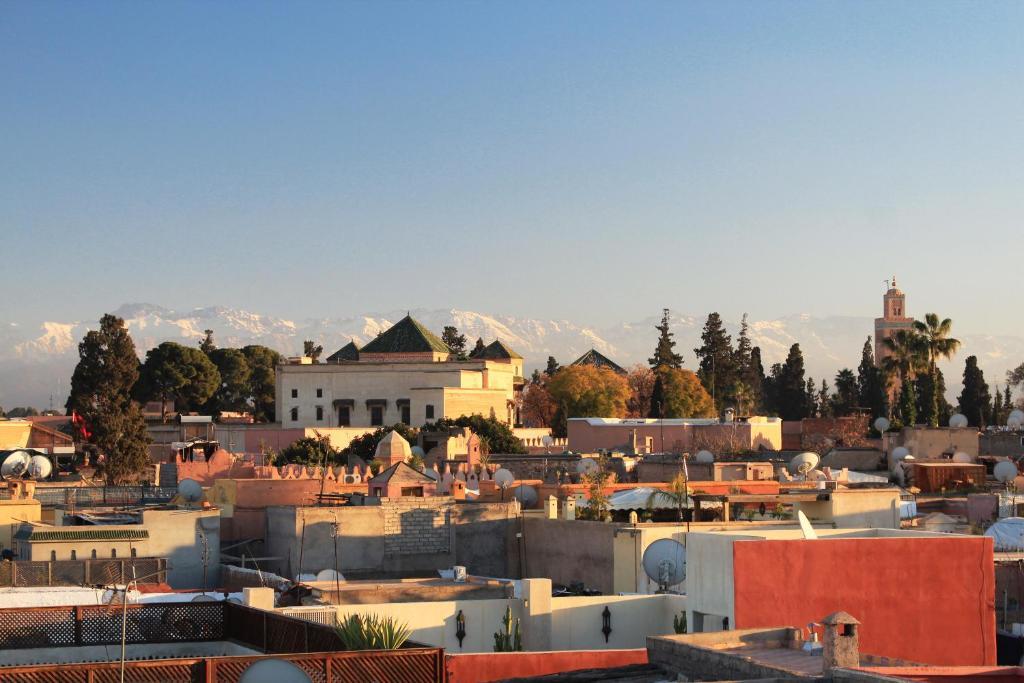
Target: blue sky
587 160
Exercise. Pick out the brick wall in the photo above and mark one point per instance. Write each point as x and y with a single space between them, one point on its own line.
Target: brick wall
416 526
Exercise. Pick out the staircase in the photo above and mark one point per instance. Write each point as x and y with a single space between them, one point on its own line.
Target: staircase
167 475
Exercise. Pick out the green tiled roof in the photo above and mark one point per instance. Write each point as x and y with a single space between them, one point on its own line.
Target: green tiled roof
406 336
88 533
498 349
597 359
347 352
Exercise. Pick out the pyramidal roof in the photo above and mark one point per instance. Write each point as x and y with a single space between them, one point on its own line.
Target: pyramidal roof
598 359
401 472
498 349
347 352
406 336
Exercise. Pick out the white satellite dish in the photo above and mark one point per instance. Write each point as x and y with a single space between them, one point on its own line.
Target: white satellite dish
1015 418
190 490
586 466
203 597
274 671
15 464
900 453
958 421
503 478
39 467
418 451
329 575
664 562
805 526
526 495
803 463
960 456
882 424
1005 471
704 457
547 440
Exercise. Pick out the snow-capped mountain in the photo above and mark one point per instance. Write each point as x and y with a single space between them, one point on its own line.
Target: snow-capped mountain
36 359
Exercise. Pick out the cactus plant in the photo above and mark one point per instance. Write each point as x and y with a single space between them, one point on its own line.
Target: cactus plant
679 622
509 638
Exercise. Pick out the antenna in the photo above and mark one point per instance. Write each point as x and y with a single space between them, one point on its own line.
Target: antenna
15 464
958 421
274 671
547 440
882 424
526 495
664 562
190 491
1005 471
503 478
39 467
704 457
803 463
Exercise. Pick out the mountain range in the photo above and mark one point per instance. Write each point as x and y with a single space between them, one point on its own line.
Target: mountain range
37 358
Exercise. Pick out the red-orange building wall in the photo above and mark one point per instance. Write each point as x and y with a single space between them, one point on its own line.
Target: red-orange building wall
924 600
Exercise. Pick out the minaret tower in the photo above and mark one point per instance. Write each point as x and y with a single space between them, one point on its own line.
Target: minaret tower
894 318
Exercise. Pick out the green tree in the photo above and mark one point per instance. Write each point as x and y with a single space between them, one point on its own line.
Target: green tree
1007 401
846 396
101 386
908 403
312 350
664 355
552 368
22 411
679 393
937 344
207 346
182 373
235 376
792 388
995 411
677 495
310 450
824 401
926 395
770 390
754 379
478 348
871 383
907 355
589 391
717 369
974 401
495 435
365 446
263 364
455 341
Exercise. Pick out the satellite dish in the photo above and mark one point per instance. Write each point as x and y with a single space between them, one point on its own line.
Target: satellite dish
203 597
586 466
526 495
305 578
503 478
39 467
900 453
547 440
958 421
15 464
274 671
1005 471
805 526
803 463
190 490
1015 418
418 451
704 457
664 563
329 575
960 456
882 424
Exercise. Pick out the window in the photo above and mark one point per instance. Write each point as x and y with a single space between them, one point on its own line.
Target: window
74 555
319 393
135 552
53 555
412 491
405 414
295 414
295 393
113 552
344 416
94 553
319 413
430 412
376 416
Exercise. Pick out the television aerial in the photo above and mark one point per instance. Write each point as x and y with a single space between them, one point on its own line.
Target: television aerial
803 463
1005 471
882 424
664 562
190 491
15 465
274 671
39 467
958 421
526 495
586 466
704 457
503 478
1015 419
961 457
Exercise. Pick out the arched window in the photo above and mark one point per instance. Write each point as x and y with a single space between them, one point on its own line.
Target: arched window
74 555
53 556
113 552
295 414
94 553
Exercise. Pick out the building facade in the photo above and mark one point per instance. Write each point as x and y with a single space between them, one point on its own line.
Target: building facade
894 318
404 375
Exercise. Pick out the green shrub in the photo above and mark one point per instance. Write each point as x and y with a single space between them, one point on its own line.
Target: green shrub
371 632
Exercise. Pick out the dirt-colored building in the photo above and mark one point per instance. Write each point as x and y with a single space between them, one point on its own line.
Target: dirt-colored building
639 435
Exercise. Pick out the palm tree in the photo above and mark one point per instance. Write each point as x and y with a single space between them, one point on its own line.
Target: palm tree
936 343
907 354
677 494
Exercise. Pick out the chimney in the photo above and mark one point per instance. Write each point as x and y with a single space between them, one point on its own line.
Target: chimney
841 647
569 508
552 507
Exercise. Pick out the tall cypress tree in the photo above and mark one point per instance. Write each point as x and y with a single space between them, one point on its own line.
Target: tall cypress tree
552 367
1007 401
718 372
754 379
846 395
974 400
664 355
101 387
870 383
908 403
928 408
792 388
995 411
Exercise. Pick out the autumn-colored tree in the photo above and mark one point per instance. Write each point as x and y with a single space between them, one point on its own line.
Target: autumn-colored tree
683 394
539 408
589 391
641 387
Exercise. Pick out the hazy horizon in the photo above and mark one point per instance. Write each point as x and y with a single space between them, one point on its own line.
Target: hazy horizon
592 161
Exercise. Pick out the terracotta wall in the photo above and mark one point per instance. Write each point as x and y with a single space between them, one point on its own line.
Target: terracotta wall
925 600
499 666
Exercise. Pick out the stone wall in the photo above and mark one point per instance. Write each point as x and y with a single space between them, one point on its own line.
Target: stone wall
417 525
